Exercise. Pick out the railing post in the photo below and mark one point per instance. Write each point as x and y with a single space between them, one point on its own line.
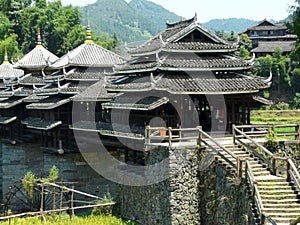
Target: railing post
288 167
298 132
199 140
180 133
147 134
274 165
263 218
170 136
233 133
239 167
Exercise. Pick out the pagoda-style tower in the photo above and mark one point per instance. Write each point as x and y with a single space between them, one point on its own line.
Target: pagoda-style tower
74 72
21 88
187 63
7 74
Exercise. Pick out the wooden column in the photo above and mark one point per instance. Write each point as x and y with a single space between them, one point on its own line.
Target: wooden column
233 121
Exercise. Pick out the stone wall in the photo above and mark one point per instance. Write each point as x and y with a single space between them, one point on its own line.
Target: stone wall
213 196
18 159
172 201
224 197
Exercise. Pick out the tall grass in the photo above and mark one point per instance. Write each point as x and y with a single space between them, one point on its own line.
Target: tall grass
65 220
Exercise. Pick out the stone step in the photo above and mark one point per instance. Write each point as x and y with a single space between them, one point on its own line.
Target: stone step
270 179
281 221
282 205
281 210
281 201
275 215
276 187
278 197
261 173
277 192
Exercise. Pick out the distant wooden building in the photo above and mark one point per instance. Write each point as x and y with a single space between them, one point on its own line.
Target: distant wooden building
267 36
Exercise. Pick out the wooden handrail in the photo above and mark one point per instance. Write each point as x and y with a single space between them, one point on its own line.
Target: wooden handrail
249 176
254 142
293 173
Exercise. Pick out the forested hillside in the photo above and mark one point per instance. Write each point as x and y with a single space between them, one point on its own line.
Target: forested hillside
154 12
140 19
116 16
228 25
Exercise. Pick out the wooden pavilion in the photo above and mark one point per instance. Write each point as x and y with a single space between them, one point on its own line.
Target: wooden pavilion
184 76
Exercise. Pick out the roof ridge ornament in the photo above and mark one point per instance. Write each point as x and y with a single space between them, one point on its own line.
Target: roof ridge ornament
39 38
153 81
58 83
269 79
158 60
43 73
182 23
163 43
5 57
251 61
88 38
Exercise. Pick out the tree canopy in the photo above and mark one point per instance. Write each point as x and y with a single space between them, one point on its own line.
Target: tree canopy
60 27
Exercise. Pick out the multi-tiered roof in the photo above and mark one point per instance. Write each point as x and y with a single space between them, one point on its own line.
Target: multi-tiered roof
186 58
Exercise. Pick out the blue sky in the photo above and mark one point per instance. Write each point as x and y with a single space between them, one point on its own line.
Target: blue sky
219 9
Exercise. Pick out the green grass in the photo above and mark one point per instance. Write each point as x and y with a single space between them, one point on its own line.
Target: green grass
275 116
65 220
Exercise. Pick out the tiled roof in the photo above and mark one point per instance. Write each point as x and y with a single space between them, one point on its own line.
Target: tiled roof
179 83
7 119
115 130
48 103
34 98
54 77
95 92
90 74
132 82
30 79
176 31
50 89
37 58
9 103
40 124
189 61
147 103
7 71
265 46
10 82
6 93
24 91
198 47
88 54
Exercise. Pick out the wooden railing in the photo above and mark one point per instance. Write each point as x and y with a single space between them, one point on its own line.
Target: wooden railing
245 136
171 135
281 130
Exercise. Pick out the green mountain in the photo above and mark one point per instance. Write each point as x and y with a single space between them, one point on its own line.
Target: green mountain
154 12
228 25
141 19
116 16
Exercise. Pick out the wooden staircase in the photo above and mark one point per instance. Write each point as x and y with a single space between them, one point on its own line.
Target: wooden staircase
277 198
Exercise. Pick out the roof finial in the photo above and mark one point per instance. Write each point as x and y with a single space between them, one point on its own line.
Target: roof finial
5 56
88 38
195 17
39 38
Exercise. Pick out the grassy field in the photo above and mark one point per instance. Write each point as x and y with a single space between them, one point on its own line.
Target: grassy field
275 116
65 220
